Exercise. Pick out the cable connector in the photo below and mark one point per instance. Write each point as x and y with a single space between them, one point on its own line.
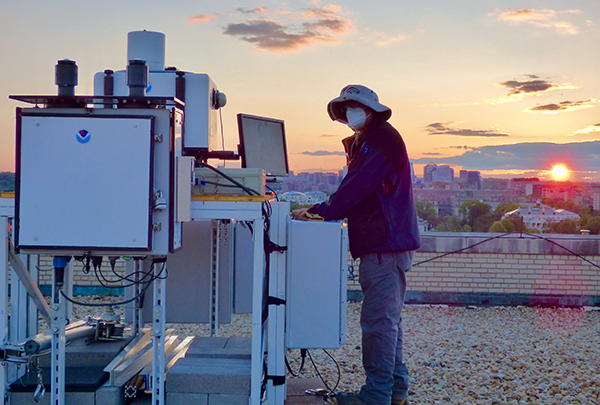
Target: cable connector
275 301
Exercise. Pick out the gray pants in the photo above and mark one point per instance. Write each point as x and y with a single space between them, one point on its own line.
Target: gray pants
383 282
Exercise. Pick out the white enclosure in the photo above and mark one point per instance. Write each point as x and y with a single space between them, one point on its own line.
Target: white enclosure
316 285
85 181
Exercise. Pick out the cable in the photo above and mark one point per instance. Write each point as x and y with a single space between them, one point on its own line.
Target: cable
504 235
114 304
246 189
460 250
331 391
214 183
222 133
274 193
303 357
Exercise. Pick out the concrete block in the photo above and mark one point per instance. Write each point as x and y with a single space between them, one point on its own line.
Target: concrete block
237 347
181 398
110 396
205 346
210 375
97 354
227 399
71 398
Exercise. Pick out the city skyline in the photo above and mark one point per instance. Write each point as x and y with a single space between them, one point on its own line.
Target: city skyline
507 88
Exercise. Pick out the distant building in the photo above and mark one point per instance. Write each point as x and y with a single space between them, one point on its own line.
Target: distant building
474 180
296 197
428 171
444 173
523 186
433 172
534 217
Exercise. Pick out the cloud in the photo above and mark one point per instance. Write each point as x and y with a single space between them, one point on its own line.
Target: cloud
520 89
576 156
588 130
327 11
446 128
322 153
545 18
328 136
562 107
258 10
320 24
274 37
202 18
388 41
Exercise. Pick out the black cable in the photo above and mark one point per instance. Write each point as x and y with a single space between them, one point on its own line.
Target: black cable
289 367
504 235
115 304
460 250
104 282
214 183
565 248
331 391
274 193
237 183
71 300
222 133
129 278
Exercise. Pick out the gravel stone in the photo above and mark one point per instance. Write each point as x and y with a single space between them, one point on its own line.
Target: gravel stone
460 355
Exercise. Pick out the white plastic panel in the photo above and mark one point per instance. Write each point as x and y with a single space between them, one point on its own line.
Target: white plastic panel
59 207
201 119
316 285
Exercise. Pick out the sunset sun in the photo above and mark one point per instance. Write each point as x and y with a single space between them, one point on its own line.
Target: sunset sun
559 172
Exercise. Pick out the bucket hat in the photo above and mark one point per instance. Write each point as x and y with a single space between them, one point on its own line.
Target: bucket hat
360 94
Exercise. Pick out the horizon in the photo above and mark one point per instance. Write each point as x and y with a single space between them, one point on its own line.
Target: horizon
496 87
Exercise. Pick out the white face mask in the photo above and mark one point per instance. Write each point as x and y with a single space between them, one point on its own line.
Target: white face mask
357 118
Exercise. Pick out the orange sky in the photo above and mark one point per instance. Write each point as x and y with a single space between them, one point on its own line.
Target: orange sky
492 86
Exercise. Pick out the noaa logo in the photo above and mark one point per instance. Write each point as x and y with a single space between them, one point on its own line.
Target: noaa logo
351 90
83 136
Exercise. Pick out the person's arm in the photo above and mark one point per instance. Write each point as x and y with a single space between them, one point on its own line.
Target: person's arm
357 184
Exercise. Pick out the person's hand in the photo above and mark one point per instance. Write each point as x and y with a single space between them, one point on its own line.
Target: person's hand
296 214
302 214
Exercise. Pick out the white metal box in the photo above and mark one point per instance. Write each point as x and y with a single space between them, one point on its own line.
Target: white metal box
316 285
208 182
202 118
87 181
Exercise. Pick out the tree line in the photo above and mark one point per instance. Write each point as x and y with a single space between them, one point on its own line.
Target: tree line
475 216
7 181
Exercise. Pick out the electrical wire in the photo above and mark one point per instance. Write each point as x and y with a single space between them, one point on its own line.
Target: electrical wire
237 183
104 282
115 304
331 391
214 183
289 367
274 193
503 236
460 250
222 133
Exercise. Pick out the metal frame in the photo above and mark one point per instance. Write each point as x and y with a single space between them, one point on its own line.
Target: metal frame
276 393
4 221
246 211
220 210
158 337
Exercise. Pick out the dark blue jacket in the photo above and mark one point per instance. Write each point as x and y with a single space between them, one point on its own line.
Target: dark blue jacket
376 195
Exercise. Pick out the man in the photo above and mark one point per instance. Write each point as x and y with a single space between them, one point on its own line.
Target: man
376 197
